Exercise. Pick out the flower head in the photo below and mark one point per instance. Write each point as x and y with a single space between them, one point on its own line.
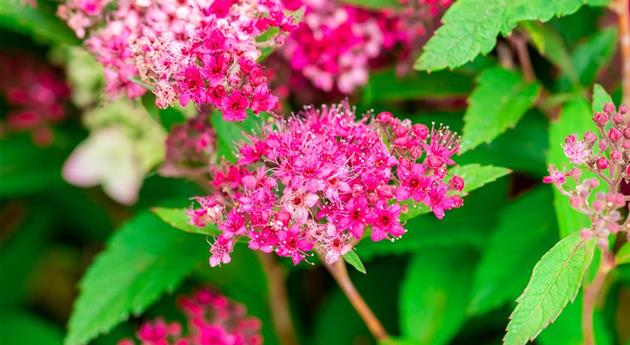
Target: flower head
212 319
607 156
320 178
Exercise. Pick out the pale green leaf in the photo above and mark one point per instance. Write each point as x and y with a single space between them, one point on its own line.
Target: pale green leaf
526 230
623 256
354 260
575 118
176 217
436 286
474 175
470 27
600 98
498 102
555 281
143 260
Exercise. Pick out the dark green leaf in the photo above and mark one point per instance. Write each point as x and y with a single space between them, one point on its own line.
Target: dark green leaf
354 260
36 22
435 289
555 281
144 259
526 230
20 328
176 217
232 133
550 44
470 27
387 86
498 102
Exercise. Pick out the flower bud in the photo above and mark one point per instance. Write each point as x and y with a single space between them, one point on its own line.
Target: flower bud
609 108
618 119
626 144
614 134
385 117
602 163
600 119
590 137
457 183
626 133
616 155
623 109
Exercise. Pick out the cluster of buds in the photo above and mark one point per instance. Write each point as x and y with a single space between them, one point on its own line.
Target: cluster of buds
35 93
212 320
606 154
320 180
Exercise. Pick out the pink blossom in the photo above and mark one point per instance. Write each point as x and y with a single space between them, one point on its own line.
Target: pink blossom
606 157
211 319
321 177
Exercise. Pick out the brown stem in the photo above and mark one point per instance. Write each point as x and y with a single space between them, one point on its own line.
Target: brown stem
340 274
278 300
622 7
520 45
591 295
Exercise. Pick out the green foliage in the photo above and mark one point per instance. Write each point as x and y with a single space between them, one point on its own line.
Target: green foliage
600 98
525 231
354 260
623 255
575 118
470 27
386 85
38 23
232 133
143 260
498 102
555 281
19 327
176 217
436 286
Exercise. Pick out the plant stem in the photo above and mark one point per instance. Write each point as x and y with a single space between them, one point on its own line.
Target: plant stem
278 300
520 45
622 7
591 295
340 274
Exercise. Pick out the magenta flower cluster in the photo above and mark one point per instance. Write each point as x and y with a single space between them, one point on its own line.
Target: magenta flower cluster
194 50
320 180
606 155
35 93
190 148
336 44
212 320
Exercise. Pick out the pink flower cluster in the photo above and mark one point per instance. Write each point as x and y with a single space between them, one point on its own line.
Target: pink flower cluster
190 148
606 155
212 320
320 179
335 44
35 94
192 50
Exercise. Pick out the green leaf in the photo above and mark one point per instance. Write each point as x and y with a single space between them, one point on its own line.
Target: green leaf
144 259
526 230
575 118
38 23
436 286
474 175
18 328
176 217
591 56
231 133
555 281
550 44
374 4
623 256
387 86
354 260
397 341
600 98
470 27
165 117
498 102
